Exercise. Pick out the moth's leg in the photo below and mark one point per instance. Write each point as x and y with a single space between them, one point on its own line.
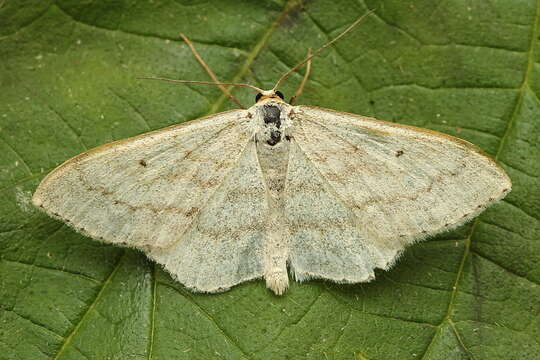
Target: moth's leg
298 91
210 72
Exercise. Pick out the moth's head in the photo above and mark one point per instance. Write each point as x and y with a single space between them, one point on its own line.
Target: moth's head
269 94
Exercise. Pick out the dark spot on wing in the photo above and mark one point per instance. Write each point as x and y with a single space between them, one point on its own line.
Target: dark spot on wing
292 114
399 153
142 163
192 211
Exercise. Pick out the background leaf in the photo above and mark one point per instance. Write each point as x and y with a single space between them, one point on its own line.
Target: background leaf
68 83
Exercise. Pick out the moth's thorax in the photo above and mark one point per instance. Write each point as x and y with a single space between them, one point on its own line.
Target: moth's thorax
272 133
271 122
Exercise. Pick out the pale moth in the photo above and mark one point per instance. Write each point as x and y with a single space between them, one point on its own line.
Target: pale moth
251 193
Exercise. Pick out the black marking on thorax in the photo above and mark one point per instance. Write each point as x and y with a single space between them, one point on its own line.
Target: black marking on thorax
272 116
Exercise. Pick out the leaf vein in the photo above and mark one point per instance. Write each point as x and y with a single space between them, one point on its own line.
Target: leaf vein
133 107
18 156
77 135
439 88
92 306
152 314
460 341
277 336
141 34
206 314
38 324
506 269
499 226
388 317
80 275
23 180
347 322
507 201
395 26
518 169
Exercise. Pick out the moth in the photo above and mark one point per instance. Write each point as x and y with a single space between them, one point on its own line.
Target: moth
272 189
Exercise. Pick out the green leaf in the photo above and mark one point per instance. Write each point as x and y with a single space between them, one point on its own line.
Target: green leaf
68 82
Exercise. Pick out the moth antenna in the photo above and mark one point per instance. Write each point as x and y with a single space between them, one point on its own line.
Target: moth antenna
202 82
304 81
209 71
297 66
